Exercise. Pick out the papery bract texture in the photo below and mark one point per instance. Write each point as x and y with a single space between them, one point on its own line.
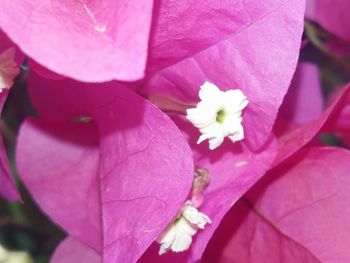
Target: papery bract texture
86 40
340 124
297 213
292 136
233 169
104 40
241 60
183 28
244 243
66 183
343 134
144 172
72 251
304 99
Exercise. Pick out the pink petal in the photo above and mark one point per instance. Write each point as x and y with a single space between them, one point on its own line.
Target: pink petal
184 28
59 164
146 166
72 251
64 99
233 170
6 43
292 137
244 236
304 201
316 214
42 71
243 61
152 256
86 40
340 124
304 100
332 15
147 172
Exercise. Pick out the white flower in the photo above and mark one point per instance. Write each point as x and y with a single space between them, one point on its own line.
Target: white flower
7 256
177 236
8 68
218 114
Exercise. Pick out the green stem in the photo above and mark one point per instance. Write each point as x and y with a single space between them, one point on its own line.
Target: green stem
313 34
16 211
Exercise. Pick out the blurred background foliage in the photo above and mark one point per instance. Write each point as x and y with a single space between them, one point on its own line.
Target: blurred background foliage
24 227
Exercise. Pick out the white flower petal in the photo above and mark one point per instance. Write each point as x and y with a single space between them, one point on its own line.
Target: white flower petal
184 227
208 91
184 235
202 138
218 115
168 236
177 237
237 136
195 217
205 220
215 142
199 119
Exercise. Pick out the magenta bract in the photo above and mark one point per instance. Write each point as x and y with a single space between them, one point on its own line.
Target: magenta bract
243 61
76 38
222 42
332 15
66 183
292 137
105 40
293 132
72 251
131 172
233 170
304 99
340 123
298 213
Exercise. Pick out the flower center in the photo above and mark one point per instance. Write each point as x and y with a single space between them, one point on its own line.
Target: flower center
220 116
